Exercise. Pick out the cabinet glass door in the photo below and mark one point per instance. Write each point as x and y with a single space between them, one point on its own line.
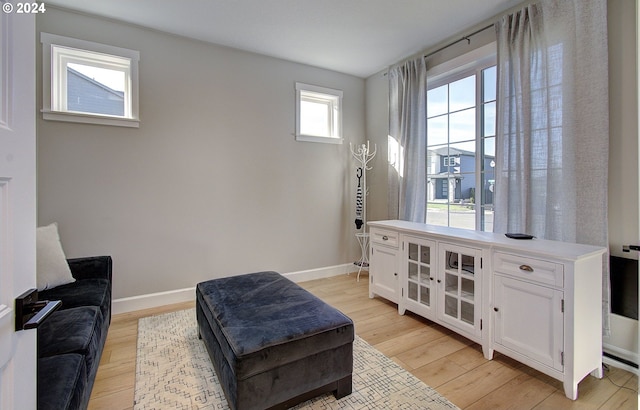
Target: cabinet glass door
419 275
460 302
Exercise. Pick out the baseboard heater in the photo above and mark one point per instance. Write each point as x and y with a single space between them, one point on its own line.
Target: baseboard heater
621 360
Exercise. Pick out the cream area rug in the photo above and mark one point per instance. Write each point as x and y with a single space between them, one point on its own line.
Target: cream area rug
174 372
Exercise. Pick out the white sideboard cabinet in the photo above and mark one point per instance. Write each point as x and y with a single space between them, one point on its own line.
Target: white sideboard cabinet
536 301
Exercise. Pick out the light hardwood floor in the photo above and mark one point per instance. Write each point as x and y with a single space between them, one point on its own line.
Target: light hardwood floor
451 364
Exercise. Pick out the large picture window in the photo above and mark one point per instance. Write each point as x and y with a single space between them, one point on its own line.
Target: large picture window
461 110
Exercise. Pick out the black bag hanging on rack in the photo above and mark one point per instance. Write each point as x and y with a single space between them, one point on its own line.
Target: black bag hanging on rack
359 200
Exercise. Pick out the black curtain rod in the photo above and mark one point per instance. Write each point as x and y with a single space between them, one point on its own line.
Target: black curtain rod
467 37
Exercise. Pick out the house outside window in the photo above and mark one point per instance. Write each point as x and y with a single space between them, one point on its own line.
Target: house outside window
85 94
461 101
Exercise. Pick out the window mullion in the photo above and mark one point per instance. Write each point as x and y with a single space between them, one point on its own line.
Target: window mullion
479 150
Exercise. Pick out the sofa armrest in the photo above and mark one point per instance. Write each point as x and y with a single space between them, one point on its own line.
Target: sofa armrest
98 267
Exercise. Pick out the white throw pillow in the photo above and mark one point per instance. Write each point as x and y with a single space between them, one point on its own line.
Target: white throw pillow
52 267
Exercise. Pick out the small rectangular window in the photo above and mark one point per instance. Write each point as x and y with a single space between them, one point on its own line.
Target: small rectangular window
89 82
318 114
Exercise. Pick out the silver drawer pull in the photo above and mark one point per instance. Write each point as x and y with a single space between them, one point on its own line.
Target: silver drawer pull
526 268
385 238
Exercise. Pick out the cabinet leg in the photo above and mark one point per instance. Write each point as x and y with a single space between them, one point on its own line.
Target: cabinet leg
488 352
598 372
571 390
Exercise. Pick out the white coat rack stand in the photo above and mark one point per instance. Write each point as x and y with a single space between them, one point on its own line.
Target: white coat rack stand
363 154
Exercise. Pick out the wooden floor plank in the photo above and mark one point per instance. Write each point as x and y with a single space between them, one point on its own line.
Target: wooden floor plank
439 372
522 392
451 364
431 351
474 385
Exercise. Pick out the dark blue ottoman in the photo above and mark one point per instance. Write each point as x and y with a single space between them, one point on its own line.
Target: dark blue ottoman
272 343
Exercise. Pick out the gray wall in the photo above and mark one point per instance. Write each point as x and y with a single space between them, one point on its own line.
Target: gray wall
212 183
623 158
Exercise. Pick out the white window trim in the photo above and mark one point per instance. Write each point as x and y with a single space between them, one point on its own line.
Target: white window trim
461 65
336 133
49 110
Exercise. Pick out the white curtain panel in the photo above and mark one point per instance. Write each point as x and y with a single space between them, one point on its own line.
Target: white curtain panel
553 124
408 140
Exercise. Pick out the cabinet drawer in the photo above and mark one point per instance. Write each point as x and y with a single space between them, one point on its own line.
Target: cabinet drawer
535 270
383 237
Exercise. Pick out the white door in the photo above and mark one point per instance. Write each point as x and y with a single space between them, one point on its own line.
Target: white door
17 205
638 93
383 272
528 319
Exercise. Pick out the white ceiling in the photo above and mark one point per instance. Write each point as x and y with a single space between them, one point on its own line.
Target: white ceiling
358 37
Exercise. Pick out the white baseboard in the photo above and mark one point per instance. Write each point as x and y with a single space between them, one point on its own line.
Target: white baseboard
613 362
152 300
621 353
320 273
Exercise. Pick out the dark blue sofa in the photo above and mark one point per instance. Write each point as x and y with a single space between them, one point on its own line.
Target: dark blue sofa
71 340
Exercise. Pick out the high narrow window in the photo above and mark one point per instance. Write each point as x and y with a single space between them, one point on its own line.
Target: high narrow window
461 143
89 82
318 114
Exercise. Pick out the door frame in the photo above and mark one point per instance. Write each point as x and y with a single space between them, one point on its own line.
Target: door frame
18 374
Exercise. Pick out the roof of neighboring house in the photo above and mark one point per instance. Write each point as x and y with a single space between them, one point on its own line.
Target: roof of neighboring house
450 151
84 94
119 94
